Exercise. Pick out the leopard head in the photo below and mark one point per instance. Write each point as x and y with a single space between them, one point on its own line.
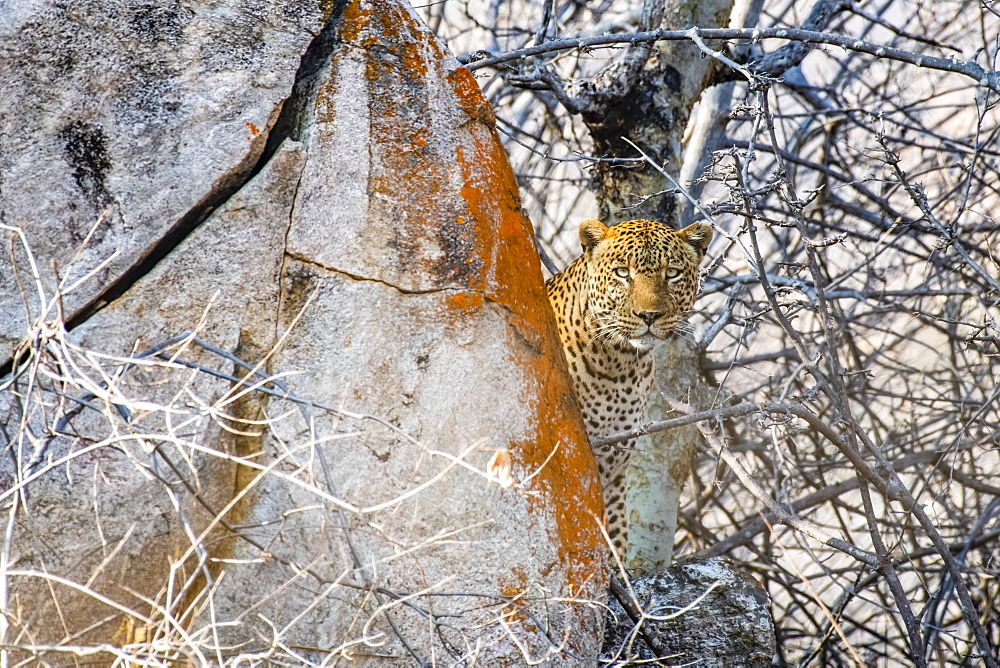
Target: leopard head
642 278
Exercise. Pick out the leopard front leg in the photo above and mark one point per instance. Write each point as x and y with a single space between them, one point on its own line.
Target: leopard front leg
612 462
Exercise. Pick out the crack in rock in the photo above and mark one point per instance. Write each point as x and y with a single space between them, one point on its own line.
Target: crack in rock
368 279
288 124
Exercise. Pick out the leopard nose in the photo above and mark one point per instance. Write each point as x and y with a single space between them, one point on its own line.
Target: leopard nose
649 317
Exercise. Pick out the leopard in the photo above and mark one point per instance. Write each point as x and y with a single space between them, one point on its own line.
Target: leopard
631 288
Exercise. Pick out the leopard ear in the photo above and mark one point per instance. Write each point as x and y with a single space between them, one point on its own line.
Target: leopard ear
698 236
592 232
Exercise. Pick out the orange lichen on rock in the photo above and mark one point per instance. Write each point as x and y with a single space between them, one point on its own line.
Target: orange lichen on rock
466 301
511 276
354 20
470 98
476 245
413 59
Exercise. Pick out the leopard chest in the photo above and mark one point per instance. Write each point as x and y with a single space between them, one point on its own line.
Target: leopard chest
612 383
612 388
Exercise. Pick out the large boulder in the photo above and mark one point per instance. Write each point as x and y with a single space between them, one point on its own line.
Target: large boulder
367 446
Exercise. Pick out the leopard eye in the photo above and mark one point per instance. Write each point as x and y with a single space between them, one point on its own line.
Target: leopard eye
672 274
621 272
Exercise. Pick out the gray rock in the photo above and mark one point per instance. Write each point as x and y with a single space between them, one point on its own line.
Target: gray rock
703 614
150 113
368 247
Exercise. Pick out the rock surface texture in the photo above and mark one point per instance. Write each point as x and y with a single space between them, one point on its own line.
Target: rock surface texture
317 191
702 614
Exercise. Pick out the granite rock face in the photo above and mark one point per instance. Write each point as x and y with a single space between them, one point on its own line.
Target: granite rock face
146 113
318 195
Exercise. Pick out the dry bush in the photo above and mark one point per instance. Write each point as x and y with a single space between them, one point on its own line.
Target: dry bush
850 311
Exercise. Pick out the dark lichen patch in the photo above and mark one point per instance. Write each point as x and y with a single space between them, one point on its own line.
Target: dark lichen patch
299 283
460 263
85 148
158 21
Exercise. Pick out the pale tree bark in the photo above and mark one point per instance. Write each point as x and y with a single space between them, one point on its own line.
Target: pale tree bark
652 115
707 127
662 464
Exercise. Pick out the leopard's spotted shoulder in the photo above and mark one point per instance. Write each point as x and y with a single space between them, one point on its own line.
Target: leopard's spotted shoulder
631 287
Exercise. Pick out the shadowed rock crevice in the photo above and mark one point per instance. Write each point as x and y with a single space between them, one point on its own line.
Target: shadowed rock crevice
294 116
89 166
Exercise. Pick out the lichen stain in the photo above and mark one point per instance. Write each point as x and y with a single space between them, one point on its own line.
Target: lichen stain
353 21
466 302
470 98
411 178
299 283
478 245
243 438
413 60
393 31
511 276
86 150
